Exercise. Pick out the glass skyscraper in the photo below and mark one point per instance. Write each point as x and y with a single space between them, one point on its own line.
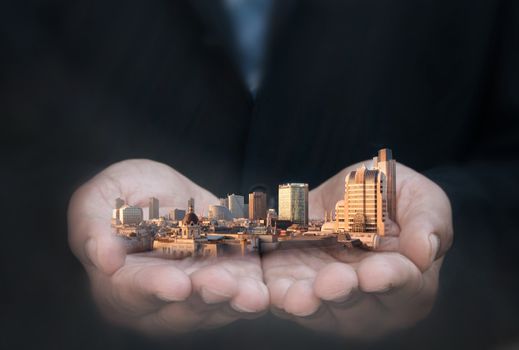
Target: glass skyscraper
293 203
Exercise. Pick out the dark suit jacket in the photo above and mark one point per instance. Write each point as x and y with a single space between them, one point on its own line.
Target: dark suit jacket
85 84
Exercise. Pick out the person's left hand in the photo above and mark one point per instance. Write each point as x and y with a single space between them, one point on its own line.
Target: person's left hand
365 294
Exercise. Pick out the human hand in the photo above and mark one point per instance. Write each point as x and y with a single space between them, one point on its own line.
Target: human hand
365 294
149 293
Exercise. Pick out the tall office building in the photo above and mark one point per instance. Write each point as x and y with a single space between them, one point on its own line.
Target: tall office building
153 208
177 214
387 165
246 210
368 197
119 203
236 205
224 202
257 206
129 215
339 216
293 203
219 212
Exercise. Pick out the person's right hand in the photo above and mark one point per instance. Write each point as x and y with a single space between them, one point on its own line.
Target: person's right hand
153 294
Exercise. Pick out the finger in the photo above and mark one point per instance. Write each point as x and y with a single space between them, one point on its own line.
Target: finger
101 250
421 238
391 276
252 296
105 253
278 289
335 282
426 222
136 290
90 234
300 299
215 284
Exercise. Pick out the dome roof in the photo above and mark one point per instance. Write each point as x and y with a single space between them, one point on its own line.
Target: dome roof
190 218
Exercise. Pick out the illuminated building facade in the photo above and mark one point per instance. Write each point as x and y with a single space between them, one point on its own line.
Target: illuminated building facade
369 193
340 224
293 203
129 215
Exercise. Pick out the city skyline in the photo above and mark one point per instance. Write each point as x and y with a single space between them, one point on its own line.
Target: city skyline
359 219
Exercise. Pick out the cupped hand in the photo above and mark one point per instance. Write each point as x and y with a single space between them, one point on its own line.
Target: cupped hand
148 293
365 294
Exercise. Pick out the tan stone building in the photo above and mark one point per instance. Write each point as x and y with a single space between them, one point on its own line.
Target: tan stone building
369 200
129 215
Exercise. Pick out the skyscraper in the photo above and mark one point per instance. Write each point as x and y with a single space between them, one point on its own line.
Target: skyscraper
224 202
119 203
236 205
177 214
339 216
153 208
293 203
257 206
387 165
246 210
130 215
219 212
368 195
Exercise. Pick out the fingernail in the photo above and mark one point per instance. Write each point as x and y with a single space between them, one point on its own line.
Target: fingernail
435 246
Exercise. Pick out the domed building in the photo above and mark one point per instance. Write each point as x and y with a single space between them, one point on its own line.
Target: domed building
190 224
190 218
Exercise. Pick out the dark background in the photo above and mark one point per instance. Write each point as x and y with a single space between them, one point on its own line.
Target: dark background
84 84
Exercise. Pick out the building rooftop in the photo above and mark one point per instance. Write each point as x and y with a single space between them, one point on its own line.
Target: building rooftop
190 218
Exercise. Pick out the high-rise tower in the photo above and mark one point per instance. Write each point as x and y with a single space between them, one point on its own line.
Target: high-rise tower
257 206
236 205
370 198
293 203
386 164
153 211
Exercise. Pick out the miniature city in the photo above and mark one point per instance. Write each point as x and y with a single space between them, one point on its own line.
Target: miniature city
233 227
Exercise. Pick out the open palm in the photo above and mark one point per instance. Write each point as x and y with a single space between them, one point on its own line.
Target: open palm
364 294
148 293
